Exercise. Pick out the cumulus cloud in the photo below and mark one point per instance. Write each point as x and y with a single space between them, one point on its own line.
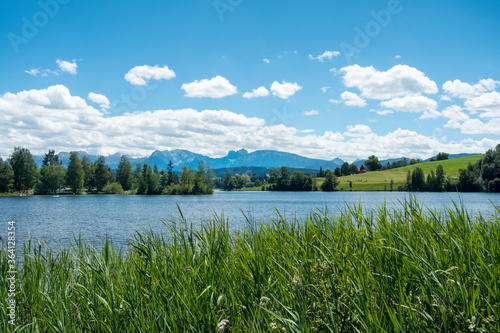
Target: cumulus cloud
465 90
325 55
400 80
66 66
334 101
285 89
324 89
140 75
410 104
358 130
310 113
216 87
102 100
351 99
430 114
488 102
259 92
53 118
266 60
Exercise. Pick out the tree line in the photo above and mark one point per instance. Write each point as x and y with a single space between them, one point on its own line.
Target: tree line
482 176
20 173
281 179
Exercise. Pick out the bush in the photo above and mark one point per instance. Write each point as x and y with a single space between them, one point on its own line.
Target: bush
113 188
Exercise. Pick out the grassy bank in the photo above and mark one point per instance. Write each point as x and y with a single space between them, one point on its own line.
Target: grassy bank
408 270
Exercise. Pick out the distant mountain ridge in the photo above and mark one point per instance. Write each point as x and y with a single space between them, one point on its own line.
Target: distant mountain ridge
234 159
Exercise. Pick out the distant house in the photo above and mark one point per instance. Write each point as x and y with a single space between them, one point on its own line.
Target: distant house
363 171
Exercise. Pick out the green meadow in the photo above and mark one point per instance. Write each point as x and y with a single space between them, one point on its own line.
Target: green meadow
404 270
380 180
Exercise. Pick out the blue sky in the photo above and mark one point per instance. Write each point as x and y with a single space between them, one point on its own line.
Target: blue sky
332 78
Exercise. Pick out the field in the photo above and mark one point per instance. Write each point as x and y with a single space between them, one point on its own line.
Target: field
380 180
407 270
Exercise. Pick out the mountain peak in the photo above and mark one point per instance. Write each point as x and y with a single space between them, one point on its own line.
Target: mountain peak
235 154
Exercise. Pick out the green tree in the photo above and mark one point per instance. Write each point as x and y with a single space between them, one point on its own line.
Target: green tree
284 179
440 178
330 182
51 159
228 183
52 178
273 175
102 173
6 176
442 156
170 174
301 182
417 180
337 172
75 176
124 173
353 169
113 188
24 167
344 169
89 170
186 179
373 164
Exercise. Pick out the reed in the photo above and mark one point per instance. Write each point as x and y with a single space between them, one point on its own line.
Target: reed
354 270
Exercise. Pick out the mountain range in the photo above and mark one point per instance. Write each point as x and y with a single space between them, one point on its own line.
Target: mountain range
233 160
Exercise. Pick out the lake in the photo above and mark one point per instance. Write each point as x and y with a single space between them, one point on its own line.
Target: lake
56 220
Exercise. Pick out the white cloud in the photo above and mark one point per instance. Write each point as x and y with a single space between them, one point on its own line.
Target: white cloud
259 92
384 112
445 98
140 75
216 87
465 90
358 130
489 102
454 112
334 101
66 66
306 131
52 118
310 113
352 99
476 126
102 100
400 80
324 89
41 72
335 71
410 104
266 60
397 57
34 72
430 114
325 55
285 89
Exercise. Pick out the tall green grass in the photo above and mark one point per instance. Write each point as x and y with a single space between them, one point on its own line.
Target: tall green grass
404 270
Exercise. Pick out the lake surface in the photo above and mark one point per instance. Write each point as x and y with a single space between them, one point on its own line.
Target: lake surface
56 220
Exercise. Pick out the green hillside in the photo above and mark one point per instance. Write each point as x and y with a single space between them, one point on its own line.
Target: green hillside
380 180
